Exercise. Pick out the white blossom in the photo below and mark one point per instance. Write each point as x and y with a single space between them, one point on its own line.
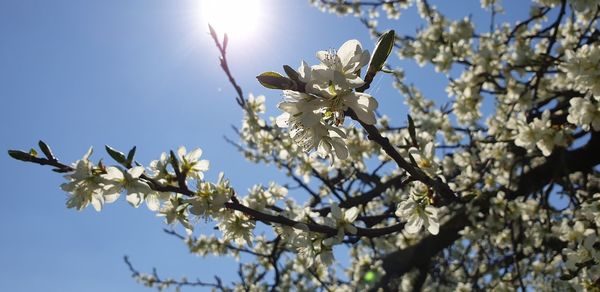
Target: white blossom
584 113
85 186
128 180
190 163
417 211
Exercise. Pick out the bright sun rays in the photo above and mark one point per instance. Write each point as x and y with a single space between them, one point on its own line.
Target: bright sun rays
240 19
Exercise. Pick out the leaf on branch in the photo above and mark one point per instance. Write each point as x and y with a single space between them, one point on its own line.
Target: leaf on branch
290 72
20 155
46 150
116 155
274 80
130 156
32 152
412 132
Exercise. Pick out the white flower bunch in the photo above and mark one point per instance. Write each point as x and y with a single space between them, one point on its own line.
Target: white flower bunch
315 105
418 211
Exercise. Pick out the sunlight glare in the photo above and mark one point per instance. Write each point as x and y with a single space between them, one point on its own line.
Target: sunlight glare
238 18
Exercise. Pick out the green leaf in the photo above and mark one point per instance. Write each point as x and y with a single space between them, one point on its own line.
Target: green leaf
291 73
32 152
46 150
116 155
274 80
130 156
20 155
411 131
382 50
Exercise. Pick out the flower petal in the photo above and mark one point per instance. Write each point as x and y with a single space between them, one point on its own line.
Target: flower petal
348 51
113 173
282 120
363 105
414 224
351 214
341 150
336 212
194 155
202 165
433 227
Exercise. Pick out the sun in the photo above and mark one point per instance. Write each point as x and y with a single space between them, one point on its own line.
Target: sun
238 18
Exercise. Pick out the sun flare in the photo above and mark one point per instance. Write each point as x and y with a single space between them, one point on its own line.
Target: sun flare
238 18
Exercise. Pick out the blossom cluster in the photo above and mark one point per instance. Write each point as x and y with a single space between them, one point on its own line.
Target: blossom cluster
314 112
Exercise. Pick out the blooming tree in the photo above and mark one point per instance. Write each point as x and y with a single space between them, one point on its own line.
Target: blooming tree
447 199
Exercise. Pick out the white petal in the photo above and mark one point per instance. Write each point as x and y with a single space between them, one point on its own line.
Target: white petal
194 155
282 120
339 79
135 199
336 212
351 214
288 107
350 229
432 212
304 72
363 105
364 58
429 150
348 51
141 187
153 203
113 173
97 204
181 152
324 148
322 56
87 155
414 223
433 227
111 190
111 198
354 81
202 165
321 74
341 150
135 172
405 208
336 132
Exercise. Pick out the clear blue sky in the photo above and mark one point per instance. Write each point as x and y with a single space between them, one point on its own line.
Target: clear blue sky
138 72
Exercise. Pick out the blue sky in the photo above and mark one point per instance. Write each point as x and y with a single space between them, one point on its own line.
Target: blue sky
140 72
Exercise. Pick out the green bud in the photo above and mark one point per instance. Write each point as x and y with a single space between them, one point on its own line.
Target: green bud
382 50
20 155
274 80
